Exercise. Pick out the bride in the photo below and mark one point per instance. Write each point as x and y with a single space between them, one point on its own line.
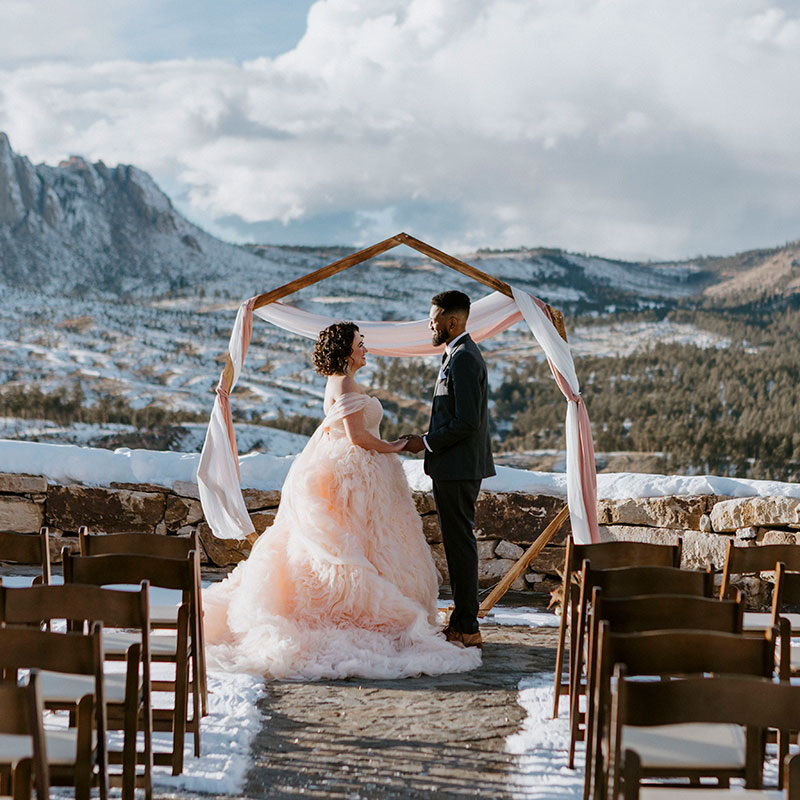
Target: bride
343 583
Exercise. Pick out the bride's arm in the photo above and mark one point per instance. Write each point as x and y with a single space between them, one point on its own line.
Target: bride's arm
358 434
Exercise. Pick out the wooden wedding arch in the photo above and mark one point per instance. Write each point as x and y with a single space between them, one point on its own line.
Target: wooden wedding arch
456 264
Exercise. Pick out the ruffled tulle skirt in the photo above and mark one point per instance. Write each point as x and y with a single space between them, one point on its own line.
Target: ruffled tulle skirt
342 584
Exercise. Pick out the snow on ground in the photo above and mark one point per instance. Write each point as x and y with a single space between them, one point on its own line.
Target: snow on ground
95 466
542 745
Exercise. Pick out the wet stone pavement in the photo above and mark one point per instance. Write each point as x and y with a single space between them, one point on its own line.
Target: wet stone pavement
401 739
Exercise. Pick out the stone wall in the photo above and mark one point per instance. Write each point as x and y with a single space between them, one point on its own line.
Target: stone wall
506 523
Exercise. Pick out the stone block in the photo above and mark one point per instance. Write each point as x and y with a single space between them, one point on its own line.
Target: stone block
516 517
486 549
138 487
181 511
222 552
431 530
705 524
186 489
17 514
657 512
550 561
22 484
747 534
57 542
764 512
262 520
424 502
255 499
700 549
638 533
509 550
534 577
103 510
490 571
777 537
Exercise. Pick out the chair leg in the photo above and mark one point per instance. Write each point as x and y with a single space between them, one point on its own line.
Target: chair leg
562 636
147 726
129 755
196 709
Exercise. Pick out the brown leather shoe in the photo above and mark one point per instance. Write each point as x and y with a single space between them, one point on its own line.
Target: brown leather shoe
463 639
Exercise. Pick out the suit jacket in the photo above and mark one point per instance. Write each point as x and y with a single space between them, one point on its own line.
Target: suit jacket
459 429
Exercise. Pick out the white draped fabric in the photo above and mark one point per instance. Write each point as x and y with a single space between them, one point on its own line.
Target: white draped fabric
217 474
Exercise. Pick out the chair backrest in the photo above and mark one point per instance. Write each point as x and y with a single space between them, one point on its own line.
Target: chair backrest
23 716
28 648
75 603
27 548
786 594
667 612
143 544
762 558
737 699
120 568
633 581
606 555
686 652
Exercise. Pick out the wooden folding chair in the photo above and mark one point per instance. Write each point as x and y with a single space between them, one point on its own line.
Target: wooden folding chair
753 560
622 582
23 752
173 647
76 756
28 549
128 697
657 710
650 613
675 653
605 555
161 615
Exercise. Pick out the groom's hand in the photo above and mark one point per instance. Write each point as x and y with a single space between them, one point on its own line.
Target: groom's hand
414 443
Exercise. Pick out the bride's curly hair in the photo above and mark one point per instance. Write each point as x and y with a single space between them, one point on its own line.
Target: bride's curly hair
333 347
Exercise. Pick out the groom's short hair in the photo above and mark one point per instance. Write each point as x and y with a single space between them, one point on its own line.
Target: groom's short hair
452 302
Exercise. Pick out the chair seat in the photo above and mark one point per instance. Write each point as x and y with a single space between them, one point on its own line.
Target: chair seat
61 747
164 614
691 745
761 620
116 643
687 793
61 687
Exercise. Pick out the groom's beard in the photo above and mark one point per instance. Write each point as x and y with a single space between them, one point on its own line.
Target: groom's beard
439 337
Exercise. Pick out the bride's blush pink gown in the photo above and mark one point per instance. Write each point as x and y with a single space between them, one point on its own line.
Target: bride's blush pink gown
343 583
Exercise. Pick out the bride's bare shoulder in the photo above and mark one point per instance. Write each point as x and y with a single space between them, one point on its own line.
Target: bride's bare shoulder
342 384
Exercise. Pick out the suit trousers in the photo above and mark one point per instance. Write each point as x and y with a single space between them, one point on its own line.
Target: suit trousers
455 505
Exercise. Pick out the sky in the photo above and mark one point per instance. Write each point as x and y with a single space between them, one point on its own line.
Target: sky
637 129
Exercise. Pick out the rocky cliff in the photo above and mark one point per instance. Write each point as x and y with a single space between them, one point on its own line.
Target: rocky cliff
89 228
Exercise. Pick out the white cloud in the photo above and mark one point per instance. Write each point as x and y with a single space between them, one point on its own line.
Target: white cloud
624 127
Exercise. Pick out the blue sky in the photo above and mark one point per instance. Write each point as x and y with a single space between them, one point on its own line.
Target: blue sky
624 128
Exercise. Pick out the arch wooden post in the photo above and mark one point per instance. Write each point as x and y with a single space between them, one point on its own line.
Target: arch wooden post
522 562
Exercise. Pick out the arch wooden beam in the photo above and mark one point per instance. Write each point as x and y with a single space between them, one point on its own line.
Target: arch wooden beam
375 250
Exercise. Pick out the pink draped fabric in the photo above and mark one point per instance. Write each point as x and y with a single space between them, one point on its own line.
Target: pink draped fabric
495 313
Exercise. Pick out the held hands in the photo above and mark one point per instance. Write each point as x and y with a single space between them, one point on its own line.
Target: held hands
413 443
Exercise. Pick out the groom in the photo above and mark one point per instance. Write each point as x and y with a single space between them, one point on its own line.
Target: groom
458 456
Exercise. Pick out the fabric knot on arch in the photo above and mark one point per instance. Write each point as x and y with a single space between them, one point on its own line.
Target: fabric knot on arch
218 471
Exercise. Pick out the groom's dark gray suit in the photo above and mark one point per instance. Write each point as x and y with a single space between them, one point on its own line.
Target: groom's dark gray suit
458 456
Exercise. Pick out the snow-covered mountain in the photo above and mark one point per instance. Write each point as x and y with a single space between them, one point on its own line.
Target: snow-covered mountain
95 230
92 229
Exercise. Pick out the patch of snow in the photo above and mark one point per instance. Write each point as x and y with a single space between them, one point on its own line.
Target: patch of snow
98 467
542 746
530 617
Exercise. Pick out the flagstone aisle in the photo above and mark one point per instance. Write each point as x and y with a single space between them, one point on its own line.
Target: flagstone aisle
401 739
